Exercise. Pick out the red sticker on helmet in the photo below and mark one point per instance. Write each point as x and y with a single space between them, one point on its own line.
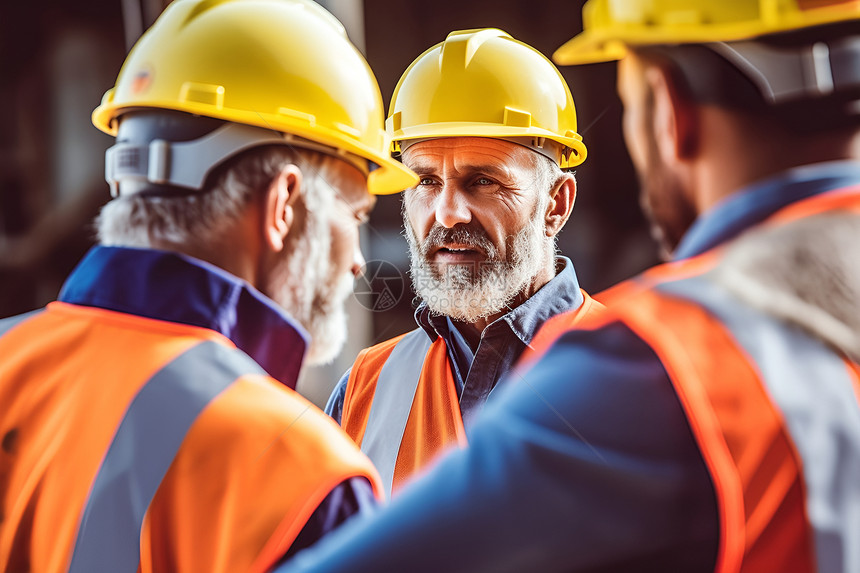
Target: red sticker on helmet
141 81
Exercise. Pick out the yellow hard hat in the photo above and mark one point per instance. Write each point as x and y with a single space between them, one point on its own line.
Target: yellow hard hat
283 65
611 25
484 83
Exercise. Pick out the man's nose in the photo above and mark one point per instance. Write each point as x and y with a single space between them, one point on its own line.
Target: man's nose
452 207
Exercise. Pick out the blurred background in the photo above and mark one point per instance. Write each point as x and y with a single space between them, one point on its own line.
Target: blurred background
57 58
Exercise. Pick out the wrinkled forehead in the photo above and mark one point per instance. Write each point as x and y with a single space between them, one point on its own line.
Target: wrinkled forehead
468 154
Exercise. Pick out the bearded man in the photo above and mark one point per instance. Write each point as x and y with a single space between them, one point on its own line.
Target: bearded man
150 421
711 423
489 125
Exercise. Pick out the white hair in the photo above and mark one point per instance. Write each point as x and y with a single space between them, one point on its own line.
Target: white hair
304 282
548 176
199 218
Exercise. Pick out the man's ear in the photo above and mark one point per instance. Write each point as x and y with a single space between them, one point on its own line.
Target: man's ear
561 202
278 209
676 121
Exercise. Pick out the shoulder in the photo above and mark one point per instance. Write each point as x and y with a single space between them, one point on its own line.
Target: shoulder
254 466
369 361
360 386
602 380
587 356
595 394
259 423
555 326
381 349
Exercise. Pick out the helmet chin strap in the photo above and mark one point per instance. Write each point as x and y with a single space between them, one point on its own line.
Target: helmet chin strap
130 167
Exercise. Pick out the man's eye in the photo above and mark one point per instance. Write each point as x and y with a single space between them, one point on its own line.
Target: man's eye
425 181
484 181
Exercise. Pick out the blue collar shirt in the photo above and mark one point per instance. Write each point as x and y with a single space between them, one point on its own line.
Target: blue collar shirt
502 342
173 287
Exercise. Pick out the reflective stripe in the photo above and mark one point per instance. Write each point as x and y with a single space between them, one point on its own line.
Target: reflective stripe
143 448
392 403
811 386
8 324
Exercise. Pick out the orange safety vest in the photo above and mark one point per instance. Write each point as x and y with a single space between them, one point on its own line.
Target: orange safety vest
401 404
773 409
137 444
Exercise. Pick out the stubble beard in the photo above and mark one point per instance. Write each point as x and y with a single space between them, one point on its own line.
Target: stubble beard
663 199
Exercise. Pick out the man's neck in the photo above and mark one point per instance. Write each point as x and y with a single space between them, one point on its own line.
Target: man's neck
741 149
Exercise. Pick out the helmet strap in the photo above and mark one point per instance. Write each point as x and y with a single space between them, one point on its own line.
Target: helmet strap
136 167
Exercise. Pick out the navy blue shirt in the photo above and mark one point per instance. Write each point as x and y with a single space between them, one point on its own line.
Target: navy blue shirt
477 373
172 287
586 469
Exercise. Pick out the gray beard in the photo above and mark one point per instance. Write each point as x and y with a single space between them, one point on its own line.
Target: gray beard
471 292
305 285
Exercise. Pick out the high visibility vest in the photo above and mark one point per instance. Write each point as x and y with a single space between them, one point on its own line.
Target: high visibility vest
132 444
401 404
774 410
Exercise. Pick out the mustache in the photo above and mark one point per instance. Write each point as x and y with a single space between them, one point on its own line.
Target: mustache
462 233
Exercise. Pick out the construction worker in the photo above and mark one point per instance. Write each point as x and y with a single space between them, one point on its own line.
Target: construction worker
711 422
489 125
149 418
